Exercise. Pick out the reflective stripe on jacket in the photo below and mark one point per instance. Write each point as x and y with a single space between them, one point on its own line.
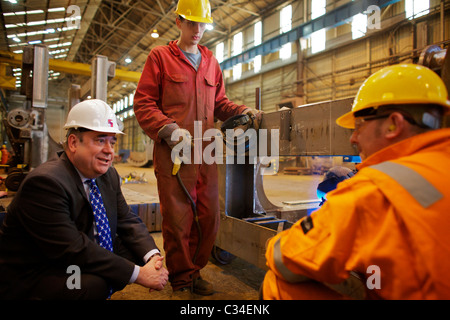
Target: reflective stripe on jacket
391 217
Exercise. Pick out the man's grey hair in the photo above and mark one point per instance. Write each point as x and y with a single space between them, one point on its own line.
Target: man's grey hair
77 132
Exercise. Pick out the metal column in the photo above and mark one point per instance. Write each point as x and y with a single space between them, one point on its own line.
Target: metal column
31 120
102 70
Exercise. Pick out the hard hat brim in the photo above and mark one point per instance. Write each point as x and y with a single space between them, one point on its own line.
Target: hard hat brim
347 120
97 129
196 19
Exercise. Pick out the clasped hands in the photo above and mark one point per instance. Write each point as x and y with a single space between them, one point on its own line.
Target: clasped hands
153 275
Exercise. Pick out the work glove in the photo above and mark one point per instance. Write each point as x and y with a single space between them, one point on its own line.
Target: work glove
179 140
255 115
173 135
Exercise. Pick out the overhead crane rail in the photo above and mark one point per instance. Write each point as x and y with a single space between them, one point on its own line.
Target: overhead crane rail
15 59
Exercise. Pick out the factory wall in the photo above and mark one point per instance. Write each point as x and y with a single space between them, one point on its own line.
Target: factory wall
338 71
334 73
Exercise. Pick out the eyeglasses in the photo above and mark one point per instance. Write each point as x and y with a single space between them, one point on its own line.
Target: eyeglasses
361 120
193 24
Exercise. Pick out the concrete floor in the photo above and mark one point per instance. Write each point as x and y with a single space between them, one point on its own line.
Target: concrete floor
238 280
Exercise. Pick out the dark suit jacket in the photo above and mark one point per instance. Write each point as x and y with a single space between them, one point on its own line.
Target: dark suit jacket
49 224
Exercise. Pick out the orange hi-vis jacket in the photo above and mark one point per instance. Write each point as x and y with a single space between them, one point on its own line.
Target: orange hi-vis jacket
389 224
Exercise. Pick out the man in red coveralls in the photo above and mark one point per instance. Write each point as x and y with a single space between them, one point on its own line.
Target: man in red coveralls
181 87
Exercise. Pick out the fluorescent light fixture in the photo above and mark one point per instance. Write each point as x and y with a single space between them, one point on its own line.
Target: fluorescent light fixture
52 39
66 29
35 42
21 13
58 51
65 44
34 11
60 9
44 22
128 60
33 33
36 23
18 44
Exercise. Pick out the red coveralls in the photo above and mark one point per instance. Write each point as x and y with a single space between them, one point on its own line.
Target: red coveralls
171 90
393 214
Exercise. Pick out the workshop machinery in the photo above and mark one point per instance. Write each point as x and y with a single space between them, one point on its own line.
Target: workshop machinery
248 217
26 126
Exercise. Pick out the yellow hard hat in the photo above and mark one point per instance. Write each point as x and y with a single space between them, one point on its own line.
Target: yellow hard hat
195 10
395 85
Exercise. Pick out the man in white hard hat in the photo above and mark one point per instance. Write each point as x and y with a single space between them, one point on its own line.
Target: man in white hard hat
52 243
182 89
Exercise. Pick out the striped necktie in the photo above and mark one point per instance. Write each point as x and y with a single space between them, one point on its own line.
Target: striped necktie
101 220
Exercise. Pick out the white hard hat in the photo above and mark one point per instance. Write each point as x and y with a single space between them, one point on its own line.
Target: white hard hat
93 114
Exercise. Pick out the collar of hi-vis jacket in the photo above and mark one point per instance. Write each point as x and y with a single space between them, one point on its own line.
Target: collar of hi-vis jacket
407 147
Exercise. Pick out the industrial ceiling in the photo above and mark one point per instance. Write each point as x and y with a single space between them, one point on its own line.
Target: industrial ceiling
78 30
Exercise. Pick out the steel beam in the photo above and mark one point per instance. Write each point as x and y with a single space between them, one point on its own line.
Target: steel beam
83 69
244 239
